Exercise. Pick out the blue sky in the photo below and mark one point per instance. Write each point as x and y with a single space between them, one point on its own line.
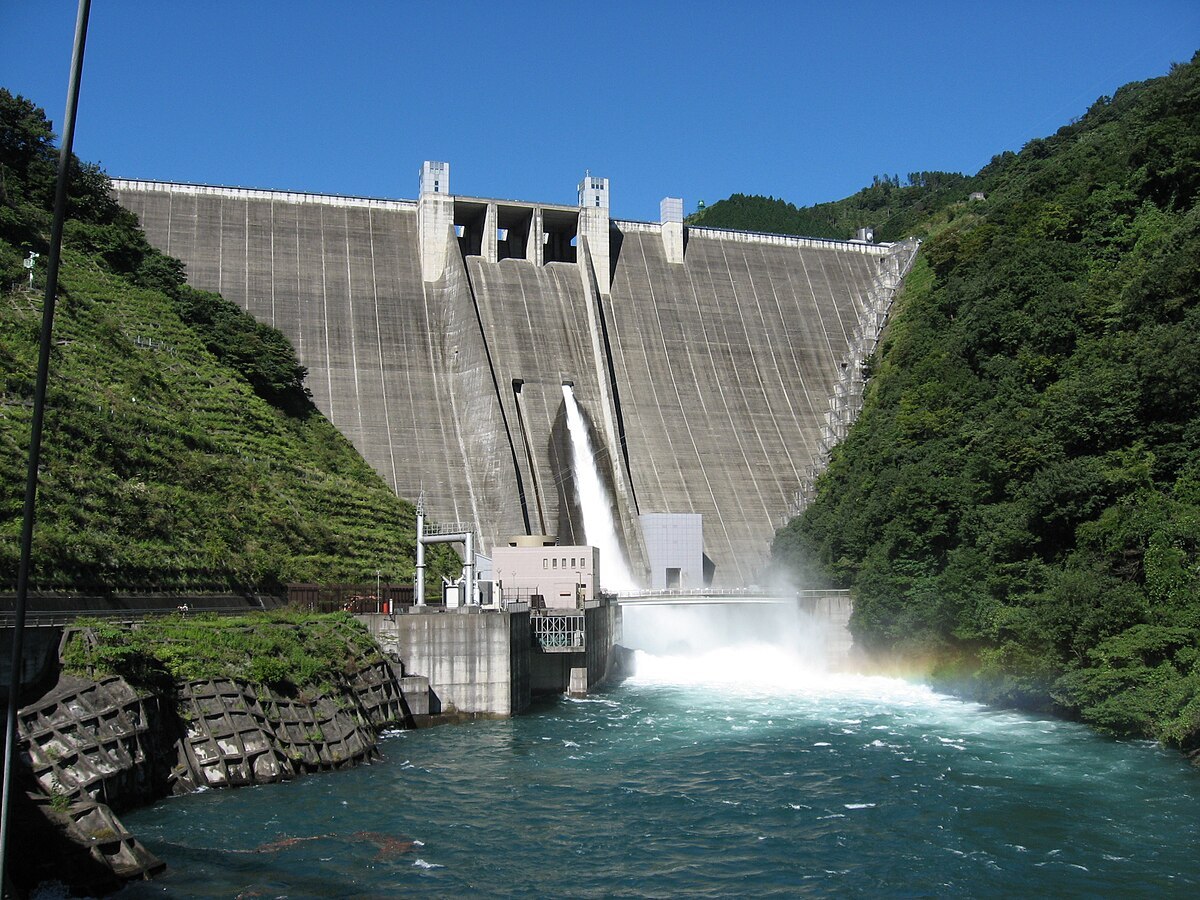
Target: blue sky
805 101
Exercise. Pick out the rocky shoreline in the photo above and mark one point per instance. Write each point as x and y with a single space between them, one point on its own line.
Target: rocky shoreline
93 748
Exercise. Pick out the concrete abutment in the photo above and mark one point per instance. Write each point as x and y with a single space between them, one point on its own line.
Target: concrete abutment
487 662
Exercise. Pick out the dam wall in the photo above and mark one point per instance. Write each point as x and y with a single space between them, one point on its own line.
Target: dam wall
726 364
708 367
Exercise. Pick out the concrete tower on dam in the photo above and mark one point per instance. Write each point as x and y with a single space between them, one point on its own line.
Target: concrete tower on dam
715 368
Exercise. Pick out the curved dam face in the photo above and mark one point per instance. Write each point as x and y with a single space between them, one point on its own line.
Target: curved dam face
707 362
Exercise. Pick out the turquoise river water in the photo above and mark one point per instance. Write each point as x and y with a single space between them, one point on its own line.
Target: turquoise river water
734 773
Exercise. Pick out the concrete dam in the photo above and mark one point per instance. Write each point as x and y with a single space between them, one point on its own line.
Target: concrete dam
715 368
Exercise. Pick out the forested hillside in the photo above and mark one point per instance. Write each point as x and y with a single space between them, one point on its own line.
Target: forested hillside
181 450
895 209
1020 498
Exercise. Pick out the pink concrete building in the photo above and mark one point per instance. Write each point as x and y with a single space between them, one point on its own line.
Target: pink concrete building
534 569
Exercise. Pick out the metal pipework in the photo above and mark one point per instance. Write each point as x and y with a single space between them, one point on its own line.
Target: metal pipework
419 587
457 536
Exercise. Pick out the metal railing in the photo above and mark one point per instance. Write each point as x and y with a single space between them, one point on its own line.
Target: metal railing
436 528
731 596
558 632
61 618
727 592
787 240
358 599
176 187
847 398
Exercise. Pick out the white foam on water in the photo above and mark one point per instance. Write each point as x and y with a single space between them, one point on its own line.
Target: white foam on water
757 667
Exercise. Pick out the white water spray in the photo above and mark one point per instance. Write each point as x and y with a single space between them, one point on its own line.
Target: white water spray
600 530
755 648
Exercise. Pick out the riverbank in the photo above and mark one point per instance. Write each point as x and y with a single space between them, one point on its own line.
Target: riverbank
180 705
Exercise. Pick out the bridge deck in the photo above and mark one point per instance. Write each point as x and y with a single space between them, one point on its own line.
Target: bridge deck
714 596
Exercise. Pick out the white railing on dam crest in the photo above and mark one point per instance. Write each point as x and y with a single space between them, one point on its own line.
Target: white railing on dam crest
212 190
712 596
630 226
787 240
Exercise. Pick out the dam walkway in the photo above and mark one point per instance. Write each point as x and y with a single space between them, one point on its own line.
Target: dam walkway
735 596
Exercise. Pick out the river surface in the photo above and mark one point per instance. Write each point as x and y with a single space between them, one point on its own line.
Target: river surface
688 781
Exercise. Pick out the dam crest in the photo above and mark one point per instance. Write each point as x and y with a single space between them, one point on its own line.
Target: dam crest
715 368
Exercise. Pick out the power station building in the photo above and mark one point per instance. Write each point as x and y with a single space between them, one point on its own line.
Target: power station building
538 571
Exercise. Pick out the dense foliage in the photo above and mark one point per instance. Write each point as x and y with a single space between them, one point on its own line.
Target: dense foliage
181 450
894 209
284 649
1020 498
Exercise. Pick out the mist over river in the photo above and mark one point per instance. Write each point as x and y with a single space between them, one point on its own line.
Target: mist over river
725 771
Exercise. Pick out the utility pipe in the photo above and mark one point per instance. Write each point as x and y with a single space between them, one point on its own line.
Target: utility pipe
35 437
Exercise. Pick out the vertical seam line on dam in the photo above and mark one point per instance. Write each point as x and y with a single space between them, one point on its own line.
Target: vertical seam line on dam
325 317
679 400
387 416
595 297
769 396
358 404
737 375
271 211
658 406
791 350
744 340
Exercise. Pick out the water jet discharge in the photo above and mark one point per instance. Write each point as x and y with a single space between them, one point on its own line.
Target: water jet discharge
594 501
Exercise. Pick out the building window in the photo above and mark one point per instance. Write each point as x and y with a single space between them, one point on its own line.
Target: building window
545 563
572 562
556 562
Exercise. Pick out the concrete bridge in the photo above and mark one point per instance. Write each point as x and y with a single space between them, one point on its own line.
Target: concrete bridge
717 368
732 596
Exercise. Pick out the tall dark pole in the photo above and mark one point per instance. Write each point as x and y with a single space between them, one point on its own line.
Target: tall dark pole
35 438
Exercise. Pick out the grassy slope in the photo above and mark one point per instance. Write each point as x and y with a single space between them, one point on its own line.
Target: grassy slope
194 462
287 650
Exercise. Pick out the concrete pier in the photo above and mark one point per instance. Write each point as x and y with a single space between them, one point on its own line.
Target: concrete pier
477 661
490 662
